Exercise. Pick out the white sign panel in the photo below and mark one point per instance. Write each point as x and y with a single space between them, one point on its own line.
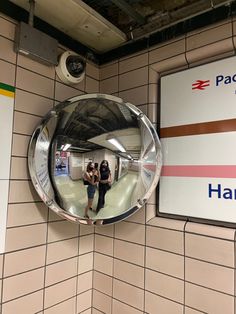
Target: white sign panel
198 135
7 94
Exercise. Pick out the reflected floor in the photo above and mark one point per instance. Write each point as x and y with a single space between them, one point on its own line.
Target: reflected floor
118 197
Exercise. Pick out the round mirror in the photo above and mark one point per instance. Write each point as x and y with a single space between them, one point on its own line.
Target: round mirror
94 159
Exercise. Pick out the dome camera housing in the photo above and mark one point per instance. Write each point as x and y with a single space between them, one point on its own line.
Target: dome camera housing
71 68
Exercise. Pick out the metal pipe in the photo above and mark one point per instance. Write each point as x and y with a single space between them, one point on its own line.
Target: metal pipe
31 12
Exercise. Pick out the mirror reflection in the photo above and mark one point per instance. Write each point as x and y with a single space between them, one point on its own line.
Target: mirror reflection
95 159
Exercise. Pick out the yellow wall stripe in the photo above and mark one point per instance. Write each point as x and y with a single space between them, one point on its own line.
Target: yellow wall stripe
7 93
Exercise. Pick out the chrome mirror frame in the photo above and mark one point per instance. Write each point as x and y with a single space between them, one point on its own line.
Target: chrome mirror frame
40 167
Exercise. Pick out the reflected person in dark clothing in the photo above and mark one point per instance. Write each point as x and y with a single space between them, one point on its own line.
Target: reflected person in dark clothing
104 183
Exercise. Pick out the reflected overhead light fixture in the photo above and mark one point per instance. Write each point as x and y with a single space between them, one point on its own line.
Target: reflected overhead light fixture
66 147
116 143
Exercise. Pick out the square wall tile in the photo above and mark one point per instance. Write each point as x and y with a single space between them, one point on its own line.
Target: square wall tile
61 230
25 237
191 311
19 169
136 96
154 302
119 307
106 230
31 303
133 63
34 83
129 273
22 191
61 271
85 230
210 249
66 307
20 145
24 260
104 245
129 252
210 275
62 250
22 284
26 214
167 50
7 73
109 86
92 70
85 282
7 28
103 263
128 294
138 217
31 103
91 85
7 52
86 244
60 292
25 123
84 301
63 92
169 240
102 283
85 263
102 302
133 79
165 262
1 265
131 232
165 286
208 301
108 70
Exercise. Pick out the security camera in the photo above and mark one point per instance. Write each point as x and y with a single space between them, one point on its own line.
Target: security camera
71 68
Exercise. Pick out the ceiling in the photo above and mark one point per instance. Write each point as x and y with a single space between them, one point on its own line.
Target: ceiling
97 28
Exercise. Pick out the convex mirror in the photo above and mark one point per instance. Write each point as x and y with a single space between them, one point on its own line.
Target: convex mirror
94 159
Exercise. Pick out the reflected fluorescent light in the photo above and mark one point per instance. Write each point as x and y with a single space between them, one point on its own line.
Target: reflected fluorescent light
66 147
117 144
62 146
130 157
80 148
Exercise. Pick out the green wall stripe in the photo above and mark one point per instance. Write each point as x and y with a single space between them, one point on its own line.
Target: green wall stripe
7 87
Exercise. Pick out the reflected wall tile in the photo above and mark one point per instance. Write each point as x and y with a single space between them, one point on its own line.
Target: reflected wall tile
154 302
20 145
66 307
62 250
22 284
35 83
129 252
25 237
24 260
61 271
61 230
35 66
7 28
102 302
7 53
31 103
60 292
19 168
26 214
103 263
31 303
102 282
128 294
208 301
84 301
7 73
